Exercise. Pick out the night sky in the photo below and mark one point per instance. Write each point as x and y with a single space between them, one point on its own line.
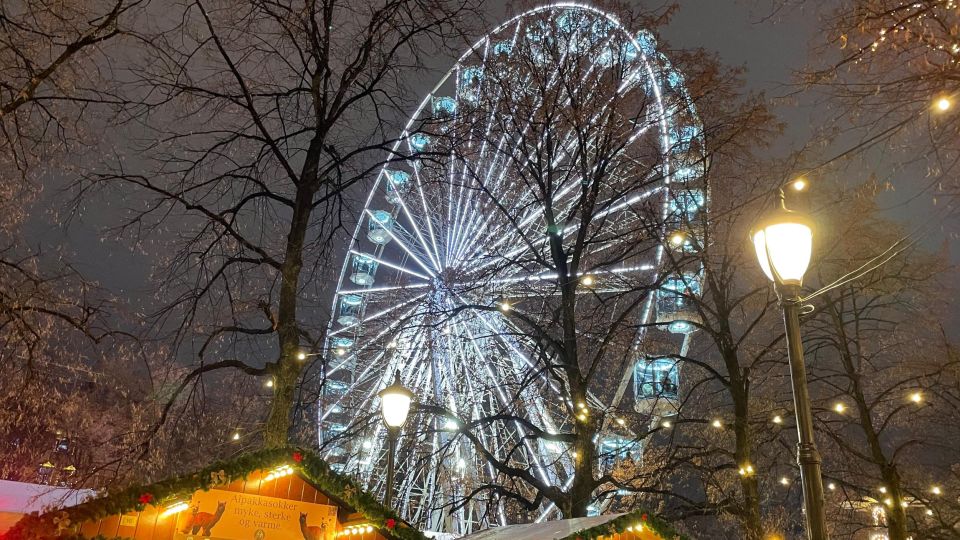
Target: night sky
771 43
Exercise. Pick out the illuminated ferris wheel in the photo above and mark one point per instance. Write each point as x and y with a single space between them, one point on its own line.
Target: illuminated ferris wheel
448 230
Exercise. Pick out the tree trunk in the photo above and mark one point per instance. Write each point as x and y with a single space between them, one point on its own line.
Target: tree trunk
750 513
286 371
581 489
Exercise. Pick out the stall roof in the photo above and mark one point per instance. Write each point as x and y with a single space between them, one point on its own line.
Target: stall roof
23 498
550 530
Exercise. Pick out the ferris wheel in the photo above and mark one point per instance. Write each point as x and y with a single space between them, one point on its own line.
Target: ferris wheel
448 243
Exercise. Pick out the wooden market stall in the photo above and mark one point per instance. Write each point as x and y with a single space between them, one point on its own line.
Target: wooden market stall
267 495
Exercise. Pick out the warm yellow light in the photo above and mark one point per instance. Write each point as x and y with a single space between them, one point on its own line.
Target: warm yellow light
236 436
621 421
883 489
799 184
936 490
777 419
392 345
929 512
666 424
587 280
888 501
784 245
270 383
505 306
916 397
840 407
943 104
831 486
341 351
717 424
904 504
301 355
750 469
395 403
677 239
785 481
175 508
582 405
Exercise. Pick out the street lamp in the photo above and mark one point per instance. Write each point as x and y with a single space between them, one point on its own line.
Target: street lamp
784 243
395 403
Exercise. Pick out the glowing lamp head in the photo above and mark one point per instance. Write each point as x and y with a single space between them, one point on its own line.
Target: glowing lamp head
784 245
395 403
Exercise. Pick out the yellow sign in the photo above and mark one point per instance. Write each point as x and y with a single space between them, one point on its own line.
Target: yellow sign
227 515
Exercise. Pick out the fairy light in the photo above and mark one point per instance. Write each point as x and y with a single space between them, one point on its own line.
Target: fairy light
883 489
936 490
279 472
301 356
677 239
236 436
777 419
799 184
839 408
505 306
784 481
916 397
175 508
717 424
943 104
667 424
587 280
621 421
831 486
269 383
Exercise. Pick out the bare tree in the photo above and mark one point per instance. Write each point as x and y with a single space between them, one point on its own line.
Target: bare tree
254 123
875 363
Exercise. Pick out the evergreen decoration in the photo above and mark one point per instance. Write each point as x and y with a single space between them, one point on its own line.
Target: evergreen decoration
65 524
619 525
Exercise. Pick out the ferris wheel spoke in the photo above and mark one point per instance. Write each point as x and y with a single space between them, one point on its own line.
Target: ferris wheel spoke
505 402
377 315
568 136
404 246
389 264
431 253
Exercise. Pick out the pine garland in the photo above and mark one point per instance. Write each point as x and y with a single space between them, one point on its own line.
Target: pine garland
620 525
65 524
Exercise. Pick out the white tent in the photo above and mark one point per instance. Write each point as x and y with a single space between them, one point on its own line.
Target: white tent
550 530
19 498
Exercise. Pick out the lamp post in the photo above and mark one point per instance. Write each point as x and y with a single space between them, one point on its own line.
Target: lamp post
784 243
395 403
